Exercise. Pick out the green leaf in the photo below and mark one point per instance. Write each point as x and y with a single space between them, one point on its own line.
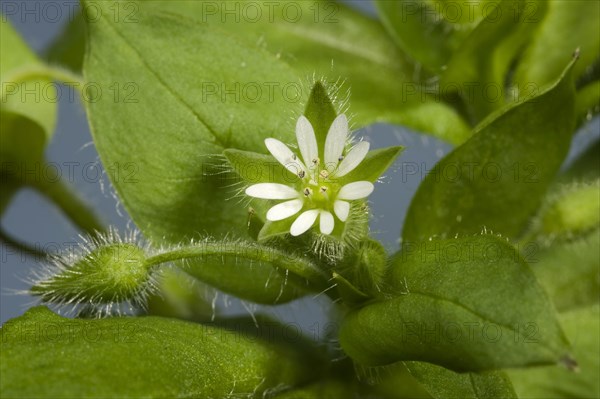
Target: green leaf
321 390
431 31
583 328
445 384
419 30
497 179
550 48
25 93
22 143
68 48
47 356
335 43
26 118
569 271
395 382
479 66
467 304
170 142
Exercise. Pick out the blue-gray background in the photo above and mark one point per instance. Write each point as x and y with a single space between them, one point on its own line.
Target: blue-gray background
33 220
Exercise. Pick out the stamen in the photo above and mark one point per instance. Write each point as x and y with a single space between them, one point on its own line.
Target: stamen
301 174
323 189
316 161
307 191
294 157
341 158
324 174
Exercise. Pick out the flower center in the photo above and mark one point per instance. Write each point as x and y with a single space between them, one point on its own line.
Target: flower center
318 189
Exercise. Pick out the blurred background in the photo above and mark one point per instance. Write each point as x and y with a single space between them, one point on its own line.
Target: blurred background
33 220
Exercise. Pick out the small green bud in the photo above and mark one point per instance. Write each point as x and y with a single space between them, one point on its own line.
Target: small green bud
109 273
365 266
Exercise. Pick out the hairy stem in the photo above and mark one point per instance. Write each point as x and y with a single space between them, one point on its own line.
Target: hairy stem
250 251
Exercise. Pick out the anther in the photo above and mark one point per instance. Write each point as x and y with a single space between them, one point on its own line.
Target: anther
307 191
323 189
301 174
341 158
316 161
324 174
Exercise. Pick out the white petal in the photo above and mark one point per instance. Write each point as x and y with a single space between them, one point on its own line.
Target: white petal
271 191
341 209
284 210
356 190
353 159
284 155
304 222
326 222
335 141
307 142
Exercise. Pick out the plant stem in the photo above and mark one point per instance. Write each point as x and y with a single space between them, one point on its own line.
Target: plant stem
21 246
45 72
71 205
250 251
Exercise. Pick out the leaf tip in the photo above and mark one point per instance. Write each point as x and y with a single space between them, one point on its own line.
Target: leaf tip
570 363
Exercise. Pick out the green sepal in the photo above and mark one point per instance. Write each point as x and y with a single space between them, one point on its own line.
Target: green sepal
351 295
255 168
374 165
321 112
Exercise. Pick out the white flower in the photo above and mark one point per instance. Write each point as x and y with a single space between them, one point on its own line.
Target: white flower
317 192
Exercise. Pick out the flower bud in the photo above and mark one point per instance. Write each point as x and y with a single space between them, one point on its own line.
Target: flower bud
109 273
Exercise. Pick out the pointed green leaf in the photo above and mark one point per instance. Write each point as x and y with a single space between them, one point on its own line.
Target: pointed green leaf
27 118
497 179
44 355
583 329
331 41
23 91
202 111
420 30
480 65
550 48
468 304
68 48
445 384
